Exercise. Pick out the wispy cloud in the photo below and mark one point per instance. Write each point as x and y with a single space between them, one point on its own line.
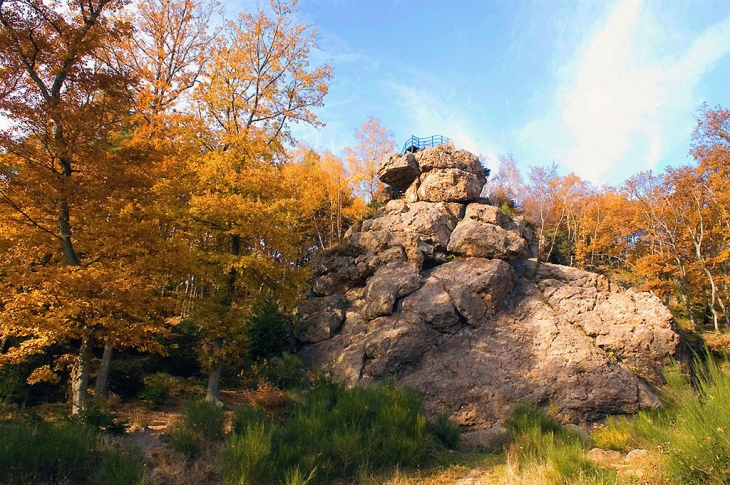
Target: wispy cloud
427 114
623 99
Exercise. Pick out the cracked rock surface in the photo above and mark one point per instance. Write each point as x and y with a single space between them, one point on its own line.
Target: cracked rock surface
439 291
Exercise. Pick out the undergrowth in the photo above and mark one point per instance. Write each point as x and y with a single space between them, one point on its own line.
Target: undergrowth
692 431
540 443
336 433
33 451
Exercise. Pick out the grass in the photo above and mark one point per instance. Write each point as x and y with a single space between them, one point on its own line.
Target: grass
335 433
33 451
199 422
39 452
379 436
692 431
615 434
540 443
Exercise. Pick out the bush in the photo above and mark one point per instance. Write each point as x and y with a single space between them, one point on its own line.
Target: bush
336 431
245 415
156 389
95 417
204 419
247 457
615 434
183 439
199 422
44 453
445 431
120 467
126 377
269 334
181 351
285 372
13 388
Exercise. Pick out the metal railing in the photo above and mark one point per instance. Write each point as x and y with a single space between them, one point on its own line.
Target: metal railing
414 143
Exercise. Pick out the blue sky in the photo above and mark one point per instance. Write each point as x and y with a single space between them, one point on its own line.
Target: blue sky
605 89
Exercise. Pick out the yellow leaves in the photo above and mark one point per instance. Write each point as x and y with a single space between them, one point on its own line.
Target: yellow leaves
43 374
259 78
375 141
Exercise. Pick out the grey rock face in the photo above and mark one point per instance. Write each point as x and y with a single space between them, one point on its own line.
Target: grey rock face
441 295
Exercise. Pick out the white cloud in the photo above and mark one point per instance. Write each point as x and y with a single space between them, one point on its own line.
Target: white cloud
427 114
622 101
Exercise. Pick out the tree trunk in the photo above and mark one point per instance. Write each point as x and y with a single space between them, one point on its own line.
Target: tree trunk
102 377
80 378
684 292
211 394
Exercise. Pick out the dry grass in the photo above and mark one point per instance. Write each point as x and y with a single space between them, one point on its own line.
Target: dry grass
172 468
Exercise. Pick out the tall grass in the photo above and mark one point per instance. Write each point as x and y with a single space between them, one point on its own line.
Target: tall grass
199 422
44 453
693 429
540 443
121 467
37 452
335 433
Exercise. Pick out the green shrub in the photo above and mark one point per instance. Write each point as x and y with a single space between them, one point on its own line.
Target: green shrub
693 429
199 422
295 477
446 432
13 388
247 457
126 378
95 417
336 432
245 415
156 389
204 419
44 453
285 372
181 351
183 440
525 418
120 467
615 434
269 333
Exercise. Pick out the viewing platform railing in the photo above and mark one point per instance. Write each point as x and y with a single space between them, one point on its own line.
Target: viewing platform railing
414 143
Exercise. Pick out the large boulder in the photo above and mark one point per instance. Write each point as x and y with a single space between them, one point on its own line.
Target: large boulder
436 174
399 171
443 296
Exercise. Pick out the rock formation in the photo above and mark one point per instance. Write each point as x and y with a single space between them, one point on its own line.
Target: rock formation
438 290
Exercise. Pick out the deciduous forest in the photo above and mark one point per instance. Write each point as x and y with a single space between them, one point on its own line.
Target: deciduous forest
157 216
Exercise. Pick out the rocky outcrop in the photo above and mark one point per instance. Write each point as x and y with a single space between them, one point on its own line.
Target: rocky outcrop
439 291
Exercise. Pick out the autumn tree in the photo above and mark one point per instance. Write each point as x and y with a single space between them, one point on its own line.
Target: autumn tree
506 188
374 141
326 194
243 210
258 79
71 190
